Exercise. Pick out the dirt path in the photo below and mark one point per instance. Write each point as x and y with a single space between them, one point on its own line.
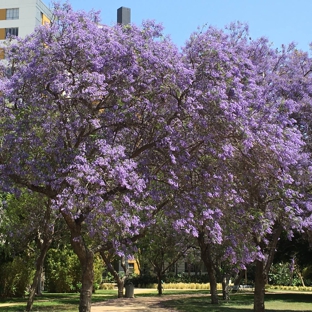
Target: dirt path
138 304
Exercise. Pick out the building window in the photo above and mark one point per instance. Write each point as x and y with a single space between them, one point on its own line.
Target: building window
12 14
11 32
44 19
131 267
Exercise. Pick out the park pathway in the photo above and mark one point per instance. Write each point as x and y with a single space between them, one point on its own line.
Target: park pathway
139 304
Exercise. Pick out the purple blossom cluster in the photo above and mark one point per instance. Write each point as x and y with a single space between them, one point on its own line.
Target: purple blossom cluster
115 125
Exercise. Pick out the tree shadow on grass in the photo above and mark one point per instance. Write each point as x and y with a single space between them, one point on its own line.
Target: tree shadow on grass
289 297
238 302
201 304
56 302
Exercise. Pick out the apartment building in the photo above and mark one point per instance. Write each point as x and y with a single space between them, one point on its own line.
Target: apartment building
20 17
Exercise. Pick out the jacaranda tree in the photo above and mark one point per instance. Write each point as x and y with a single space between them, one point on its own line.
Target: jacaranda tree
249 169
86 111
114 124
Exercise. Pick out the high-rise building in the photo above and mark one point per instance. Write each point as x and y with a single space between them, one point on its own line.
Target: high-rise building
124 16
20 17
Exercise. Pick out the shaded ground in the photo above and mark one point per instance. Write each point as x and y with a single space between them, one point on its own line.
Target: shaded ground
138 304
156 304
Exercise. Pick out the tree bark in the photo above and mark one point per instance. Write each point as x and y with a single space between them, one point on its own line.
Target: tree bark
44 241
206 255
260 278
225 288
37 278
119 280
86 259
239 277
263 268
213 284
87 281
159 286
120 286
300 276
272 247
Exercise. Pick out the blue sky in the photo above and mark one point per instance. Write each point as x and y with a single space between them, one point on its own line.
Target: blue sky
282 21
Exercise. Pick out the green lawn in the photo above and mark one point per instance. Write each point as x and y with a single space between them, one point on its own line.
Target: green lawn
54 302
277 301
299 302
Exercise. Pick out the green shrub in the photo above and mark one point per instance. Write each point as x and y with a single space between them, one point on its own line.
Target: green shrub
281 274
143 280
16 276
63 272
186 278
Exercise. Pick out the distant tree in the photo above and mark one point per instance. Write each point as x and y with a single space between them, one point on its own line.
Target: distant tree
162 247
28 221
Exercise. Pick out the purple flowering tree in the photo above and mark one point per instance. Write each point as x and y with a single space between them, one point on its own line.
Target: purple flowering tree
247 168
113 125
87 115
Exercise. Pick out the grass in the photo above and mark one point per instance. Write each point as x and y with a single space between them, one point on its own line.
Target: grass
54 302
274 301
300 302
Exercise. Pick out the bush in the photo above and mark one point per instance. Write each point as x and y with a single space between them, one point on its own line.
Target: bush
186 278
67 278
107 286
16 276
205 286
281 274
291 288
62 271
143 281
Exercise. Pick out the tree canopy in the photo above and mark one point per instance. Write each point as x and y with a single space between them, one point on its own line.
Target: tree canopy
115 124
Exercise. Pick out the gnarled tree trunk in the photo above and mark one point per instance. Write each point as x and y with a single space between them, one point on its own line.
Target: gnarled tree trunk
118 279
225 287
86 259
260 278
263 268
159 284
44 241
206 256
87 281
37 278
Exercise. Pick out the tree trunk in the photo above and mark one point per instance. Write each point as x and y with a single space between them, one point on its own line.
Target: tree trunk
225 288
44 241
159 286
120 285
87 282
37 278
239 277
107 257
206 255
86 259
260 278
213 286
277 230
300 276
